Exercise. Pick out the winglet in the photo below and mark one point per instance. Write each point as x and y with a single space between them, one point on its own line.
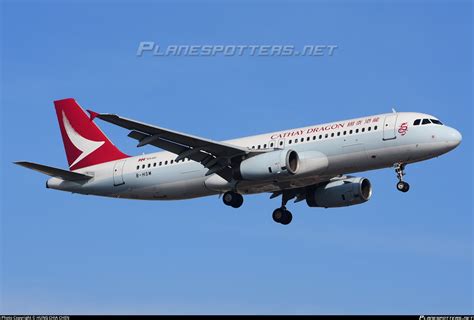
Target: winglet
92 114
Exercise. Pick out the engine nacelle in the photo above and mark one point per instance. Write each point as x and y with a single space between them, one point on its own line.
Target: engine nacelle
269 165
340 193
312 163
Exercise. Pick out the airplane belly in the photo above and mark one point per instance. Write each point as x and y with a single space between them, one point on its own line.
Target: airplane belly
182 189
352 157
170 184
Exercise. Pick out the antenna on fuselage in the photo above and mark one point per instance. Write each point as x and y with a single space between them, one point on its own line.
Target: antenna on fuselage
394 111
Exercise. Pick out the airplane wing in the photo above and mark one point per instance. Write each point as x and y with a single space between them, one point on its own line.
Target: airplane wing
54 172
218 157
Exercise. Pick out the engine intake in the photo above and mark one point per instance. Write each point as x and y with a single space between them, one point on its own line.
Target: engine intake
340 193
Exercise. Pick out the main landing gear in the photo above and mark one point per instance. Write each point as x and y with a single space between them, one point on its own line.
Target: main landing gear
400 171
233 199
282 215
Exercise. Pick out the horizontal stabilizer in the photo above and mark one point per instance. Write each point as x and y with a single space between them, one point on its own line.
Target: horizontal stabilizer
54 172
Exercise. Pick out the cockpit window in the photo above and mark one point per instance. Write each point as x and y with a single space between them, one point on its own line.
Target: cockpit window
426 121
417 122
436 121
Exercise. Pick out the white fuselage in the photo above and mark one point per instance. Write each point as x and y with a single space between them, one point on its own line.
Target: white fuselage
354 145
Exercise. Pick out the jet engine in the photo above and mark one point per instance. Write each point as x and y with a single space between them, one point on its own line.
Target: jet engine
282 163
312 163
340 193
269 165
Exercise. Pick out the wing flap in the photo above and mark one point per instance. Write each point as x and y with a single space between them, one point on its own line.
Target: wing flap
54 172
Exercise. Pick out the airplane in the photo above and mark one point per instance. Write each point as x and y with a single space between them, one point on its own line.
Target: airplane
309 164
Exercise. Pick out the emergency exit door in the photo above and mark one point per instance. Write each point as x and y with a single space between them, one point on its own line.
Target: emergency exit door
118 172
389 127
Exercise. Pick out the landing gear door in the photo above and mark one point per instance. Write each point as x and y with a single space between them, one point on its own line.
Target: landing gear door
389 127
118 172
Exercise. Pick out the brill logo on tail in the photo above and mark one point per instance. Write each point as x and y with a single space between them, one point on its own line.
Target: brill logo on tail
86 146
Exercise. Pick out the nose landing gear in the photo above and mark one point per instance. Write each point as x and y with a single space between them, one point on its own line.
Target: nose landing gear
400 171
403 186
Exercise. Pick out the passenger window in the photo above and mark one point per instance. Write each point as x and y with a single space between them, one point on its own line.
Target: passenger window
289 142
326 135
426 121
258 147
307 139
416 122
357 130
369 128
332 134
166 162
281 143
265 146
375 128
302 139
363 129
253 147
350 131
320 136
143 166
345 132
138 167
314 137
171 162
154 164
160 163
338 134
271 144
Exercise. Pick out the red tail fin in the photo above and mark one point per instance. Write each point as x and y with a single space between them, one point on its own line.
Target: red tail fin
85 144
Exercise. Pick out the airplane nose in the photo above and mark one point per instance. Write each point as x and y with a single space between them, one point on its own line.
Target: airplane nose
456 137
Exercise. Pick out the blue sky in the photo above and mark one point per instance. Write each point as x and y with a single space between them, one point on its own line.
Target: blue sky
398 253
